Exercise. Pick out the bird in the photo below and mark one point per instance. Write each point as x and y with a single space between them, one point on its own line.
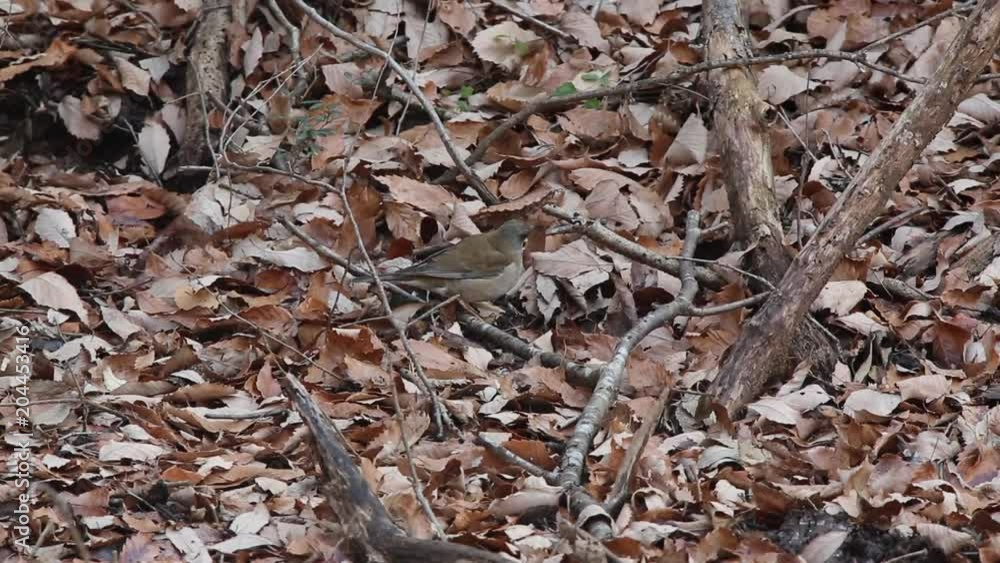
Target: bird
480 268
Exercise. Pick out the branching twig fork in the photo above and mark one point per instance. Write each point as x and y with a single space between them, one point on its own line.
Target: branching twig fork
463 168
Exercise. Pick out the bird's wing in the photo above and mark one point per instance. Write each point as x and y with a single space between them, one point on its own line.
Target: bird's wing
449 264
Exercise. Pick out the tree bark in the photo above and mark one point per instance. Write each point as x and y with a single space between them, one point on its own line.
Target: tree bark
741 123
369 531
744 371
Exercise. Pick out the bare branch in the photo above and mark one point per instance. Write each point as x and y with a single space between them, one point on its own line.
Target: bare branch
892 223
606 391
577 374
611 240
418 490
516 460
619 491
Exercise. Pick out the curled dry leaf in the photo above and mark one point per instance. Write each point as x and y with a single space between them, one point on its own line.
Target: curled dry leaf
871 401
154 145
428 198
513 96
118 451
119 323
241 542
641 12
201 393
924 387
574 262
55 225
839 297
52 290
439 364
592 124
944 538
504 44
58 52
253 49
583 27
778 83
691 144
456 15
823 546
80 125
134 79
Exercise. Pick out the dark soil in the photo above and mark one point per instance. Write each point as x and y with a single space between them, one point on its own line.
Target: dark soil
864 544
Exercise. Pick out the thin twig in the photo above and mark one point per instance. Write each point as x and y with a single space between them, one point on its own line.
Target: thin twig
477 183
553 102
577 374
261 330
442 419
339 260
418 490
263 413
532 20
431 311
619 491
907 556
611 240
514 459
936 18
727 307
891 223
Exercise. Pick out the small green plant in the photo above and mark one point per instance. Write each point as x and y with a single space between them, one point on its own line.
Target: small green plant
565 89
464 94
601 78
521 48
314 126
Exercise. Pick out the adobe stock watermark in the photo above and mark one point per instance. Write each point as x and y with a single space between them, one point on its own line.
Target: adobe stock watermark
19 463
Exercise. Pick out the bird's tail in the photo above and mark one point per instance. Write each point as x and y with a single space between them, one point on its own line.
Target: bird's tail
384 276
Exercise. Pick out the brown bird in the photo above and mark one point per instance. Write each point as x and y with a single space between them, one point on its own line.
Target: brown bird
481 267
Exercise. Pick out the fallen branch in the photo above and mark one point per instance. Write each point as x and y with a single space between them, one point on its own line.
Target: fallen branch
577 374
606 391
593 516
611 240
619 491
207 75
746 366
516 460
369 531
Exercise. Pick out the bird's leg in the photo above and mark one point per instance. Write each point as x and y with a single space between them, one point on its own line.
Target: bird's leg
471 310
432 310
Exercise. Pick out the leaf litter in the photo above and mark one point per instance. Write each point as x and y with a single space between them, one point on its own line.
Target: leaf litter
145 298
